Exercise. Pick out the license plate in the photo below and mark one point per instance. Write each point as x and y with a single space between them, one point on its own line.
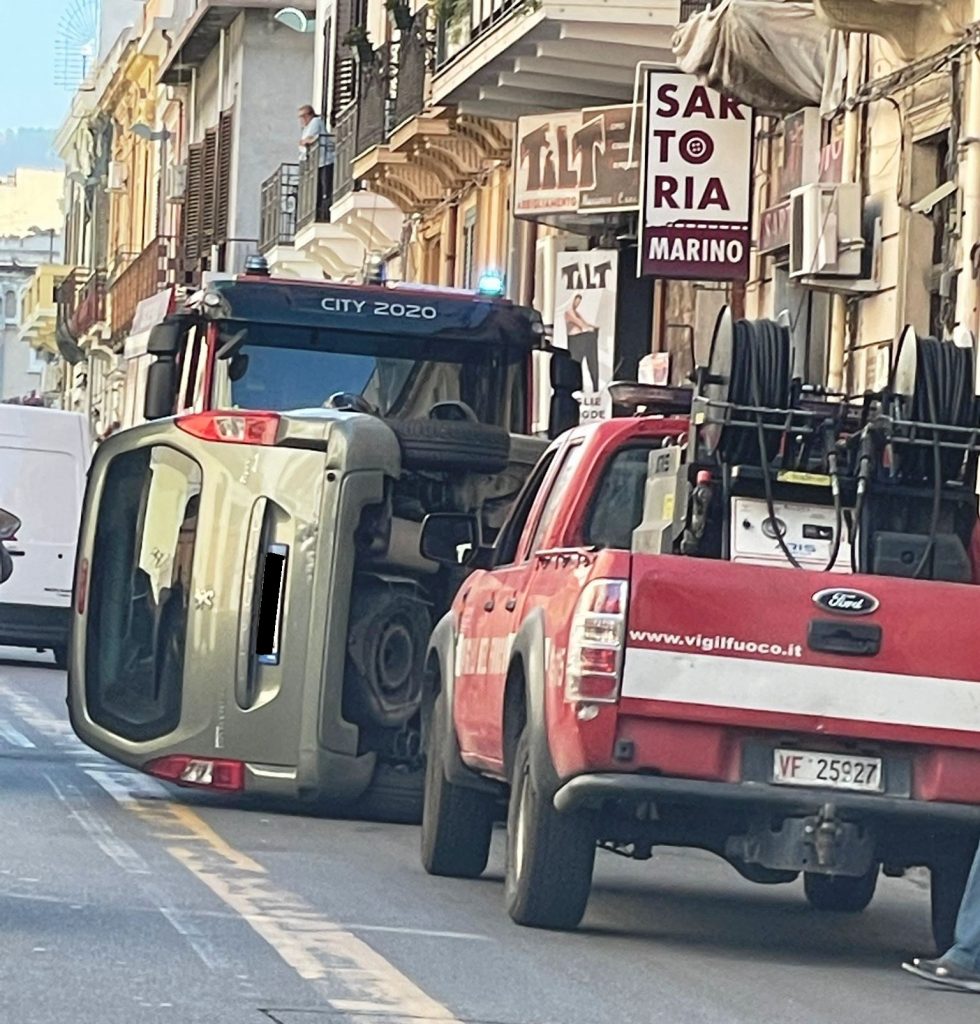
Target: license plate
833 771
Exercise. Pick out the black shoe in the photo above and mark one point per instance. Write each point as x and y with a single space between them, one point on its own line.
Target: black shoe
944 972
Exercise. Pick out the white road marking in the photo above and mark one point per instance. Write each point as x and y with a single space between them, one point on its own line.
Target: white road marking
14 736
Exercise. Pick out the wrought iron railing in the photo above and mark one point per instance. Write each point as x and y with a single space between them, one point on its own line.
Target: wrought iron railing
153 269
280 196
312 205
413 51
89 304
372 100
476 19
66 296
691 7
345 133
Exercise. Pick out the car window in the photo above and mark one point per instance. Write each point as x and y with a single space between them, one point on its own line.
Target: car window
510 536
559 485
617 508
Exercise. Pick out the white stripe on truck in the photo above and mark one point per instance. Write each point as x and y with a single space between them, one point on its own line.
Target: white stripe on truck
795 689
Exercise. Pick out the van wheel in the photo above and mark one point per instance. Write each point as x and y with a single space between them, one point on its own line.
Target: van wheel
60 657
394 795
457 823
949 876
840 893
550 856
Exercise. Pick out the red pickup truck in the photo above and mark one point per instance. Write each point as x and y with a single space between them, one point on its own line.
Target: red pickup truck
632 699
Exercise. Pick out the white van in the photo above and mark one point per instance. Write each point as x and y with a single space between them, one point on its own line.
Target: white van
44 458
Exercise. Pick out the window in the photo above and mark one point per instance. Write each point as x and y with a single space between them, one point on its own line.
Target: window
10 306
617 508
139 594
513 529
468 250
573 456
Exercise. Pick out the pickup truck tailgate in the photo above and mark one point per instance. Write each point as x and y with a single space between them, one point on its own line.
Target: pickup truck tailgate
756 646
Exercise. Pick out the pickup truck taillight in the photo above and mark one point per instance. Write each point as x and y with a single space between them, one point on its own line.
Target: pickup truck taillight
232 427
595 644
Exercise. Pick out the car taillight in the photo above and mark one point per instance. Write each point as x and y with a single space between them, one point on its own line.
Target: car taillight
595 644
232 427
81 586
215 773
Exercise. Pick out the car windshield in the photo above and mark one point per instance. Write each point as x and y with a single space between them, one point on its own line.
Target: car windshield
281 369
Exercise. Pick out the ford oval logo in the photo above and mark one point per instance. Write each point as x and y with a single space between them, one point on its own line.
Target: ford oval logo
844 601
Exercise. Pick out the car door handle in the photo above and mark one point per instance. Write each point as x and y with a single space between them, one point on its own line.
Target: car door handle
488 606
15 554
511 604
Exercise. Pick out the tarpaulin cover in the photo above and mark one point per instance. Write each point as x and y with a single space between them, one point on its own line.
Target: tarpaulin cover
775 56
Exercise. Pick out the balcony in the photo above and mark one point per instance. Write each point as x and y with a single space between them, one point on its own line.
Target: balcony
505 58
280 192
202 32
89 306
146 275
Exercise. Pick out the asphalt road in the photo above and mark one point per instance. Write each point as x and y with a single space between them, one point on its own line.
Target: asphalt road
122 902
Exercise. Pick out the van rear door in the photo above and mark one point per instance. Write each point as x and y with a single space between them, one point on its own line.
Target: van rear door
192 620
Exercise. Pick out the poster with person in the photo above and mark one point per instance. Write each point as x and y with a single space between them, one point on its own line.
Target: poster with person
585 318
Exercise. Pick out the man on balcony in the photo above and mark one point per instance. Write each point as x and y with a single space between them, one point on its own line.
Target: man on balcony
316 143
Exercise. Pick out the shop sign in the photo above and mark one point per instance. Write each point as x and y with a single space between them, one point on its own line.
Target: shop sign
697 200
585 318
774 225
576 162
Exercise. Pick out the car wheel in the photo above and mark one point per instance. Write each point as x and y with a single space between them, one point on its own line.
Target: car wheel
452 444
457 822
840 893
550 856
949 875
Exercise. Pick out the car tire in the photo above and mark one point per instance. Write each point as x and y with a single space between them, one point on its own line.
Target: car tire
394 796
452 444
457 822
949 876
550 856
840 893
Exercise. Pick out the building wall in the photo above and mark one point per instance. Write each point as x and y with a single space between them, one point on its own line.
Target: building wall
30 198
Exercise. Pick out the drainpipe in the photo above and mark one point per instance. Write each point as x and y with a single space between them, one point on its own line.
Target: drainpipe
192 113
221 70
850 153
969 182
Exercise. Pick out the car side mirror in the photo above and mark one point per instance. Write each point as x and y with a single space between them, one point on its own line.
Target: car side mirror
161 388
449 538
6 564
563 413
9 525
166 339
566 372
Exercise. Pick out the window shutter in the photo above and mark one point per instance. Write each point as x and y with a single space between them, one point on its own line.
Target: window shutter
192 203
208 189
222 187
345 66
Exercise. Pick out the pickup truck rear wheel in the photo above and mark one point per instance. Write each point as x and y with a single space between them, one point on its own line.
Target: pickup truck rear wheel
457 823
840 893
550 856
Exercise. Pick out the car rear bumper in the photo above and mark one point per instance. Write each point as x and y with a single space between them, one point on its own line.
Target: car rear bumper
596 789
30 625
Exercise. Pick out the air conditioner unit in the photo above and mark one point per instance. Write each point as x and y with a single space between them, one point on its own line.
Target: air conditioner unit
176 182
117 176
825 231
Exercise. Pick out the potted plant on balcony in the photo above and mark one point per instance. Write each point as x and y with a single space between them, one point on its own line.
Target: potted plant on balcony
401 14
449 13
358 39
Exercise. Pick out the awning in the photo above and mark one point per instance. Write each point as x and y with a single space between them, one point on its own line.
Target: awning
774 55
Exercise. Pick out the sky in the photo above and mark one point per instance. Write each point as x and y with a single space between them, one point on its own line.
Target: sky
28 96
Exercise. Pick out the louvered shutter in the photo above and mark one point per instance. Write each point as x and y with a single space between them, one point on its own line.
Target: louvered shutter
222 184
193 197
345 73
208 181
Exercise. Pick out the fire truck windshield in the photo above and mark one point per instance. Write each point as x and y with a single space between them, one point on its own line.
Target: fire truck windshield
285 368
